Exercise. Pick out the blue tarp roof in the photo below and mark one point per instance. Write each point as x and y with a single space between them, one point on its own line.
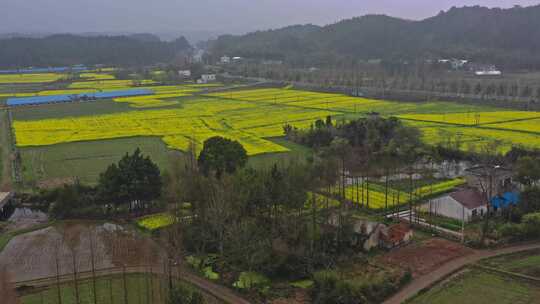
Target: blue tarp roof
67 98
76 68
505 200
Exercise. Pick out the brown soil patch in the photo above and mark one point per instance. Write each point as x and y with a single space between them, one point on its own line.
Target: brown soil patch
33 255
55 182
424 257
299 297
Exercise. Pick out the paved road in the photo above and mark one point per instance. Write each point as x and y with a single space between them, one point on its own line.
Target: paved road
429 279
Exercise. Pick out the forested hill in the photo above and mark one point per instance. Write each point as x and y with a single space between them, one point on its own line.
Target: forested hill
61 50
507 37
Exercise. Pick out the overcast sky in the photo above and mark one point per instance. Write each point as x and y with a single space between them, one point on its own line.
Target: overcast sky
231 16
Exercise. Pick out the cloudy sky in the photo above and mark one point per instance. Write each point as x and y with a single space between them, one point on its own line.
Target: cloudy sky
231 16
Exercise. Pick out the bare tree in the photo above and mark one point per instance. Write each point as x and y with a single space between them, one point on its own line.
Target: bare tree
8 294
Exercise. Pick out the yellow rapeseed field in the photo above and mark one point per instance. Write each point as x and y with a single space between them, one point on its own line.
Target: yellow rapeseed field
30 78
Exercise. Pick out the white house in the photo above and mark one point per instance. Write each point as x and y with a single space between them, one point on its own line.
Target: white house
488 73
463 205
184 73
225 60
206 78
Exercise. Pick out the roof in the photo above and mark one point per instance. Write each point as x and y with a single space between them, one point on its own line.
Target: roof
4 198
70 97
396 233
469 198
505 200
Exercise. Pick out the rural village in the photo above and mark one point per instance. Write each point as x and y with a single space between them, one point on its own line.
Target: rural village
230 172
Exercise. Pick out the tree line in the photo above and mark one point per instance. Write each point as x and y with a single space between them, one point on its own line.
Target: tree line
469 32
67 50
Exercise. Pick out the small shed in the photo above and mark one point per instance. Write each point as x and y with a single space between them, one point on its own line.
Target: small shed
5 204
395 236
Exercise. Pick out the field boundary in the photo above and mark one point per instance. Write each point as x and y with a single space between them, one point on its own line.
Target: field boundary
428 281
220 292
504 272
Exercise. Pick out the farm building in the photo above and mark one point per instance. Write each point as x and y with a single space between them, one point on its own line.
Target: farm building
206 78
463 205
494 180
5 204
369 234
184 73
395 236
225 60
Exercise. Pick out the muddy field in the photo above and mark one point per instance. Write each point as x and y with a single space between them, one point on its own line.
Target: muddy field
70 246
424 257
23 218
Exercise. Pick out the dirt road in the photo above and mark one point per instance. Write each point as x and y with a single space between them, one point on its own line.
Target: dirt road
433 277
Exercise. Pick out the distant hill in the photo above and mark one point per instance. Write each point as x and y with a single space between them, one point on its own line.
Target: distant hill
65 49
507 37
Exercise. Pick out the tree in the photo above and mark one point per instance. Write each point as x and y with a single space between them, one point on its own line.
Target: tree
7 291
221 155
530 200
133 180
528 170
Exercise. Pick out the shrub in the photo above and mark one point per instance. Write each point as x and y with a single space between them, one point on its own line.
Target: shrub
183 294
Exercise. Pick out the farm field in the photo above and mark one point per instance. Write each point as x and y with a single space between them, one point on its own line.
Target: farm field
32 255
377 197
480 287
526 263
156 221
30 78
50 165
474 118
109 290
254 117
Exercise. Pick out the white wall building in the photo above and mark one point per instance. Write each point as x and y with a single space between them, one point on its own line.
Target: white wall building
460 205
206 78
184 73
225 60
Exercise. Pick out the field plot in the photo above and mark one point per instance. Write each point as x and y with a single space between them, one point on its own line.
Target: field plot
474 118
51 165
96 76
342 103
527 126
109 290
425 256
156 221
377 199
471 138
107 84
526 263
198 119
32 255
481 287
176 117
31 78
